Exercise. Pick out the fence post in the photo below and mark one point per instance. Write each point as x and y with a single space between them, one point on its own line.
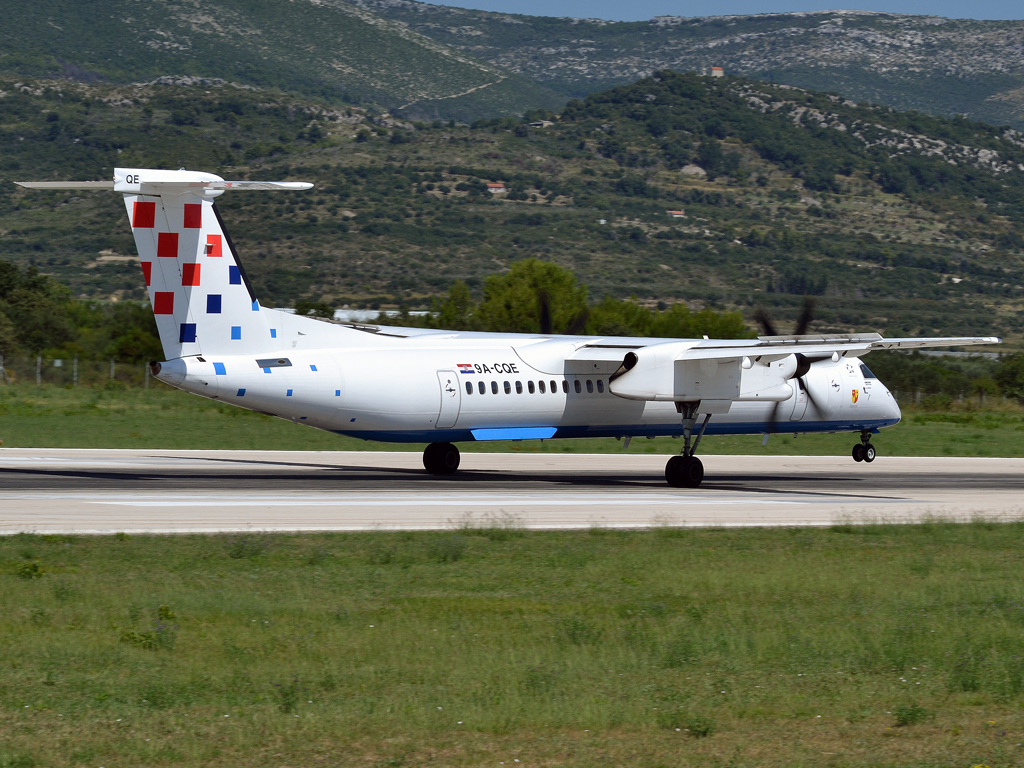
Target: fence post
111 370
74 371
917 397
39 370
3 371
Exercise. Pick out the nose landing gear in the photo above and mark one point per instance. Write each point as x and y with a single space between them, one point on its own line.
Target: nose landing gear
864 450
441 459
686 470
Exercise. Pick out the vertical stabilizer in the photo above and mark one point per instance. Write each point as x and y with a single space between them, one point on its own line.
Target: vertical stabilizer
201 297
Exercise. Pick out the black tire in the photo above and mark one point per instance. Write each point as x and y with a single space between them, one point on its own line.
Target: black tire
693 472
858 452
869 453
441 459
684 472
673 471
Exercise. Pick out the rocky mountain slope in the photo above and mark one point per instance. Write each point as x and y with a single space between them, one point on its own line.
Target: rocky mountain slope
326 49
936 65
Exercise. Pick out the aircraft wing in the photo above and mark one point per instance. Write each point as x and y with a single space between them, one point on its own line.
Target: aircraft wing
719 372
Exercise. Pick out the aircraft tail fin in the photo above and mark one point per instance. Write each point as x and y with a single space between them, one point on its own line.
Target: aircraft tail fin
201 297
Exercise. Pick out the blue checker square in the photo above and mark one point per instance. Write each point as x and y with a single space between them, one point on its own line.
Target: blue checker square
255 306
241 393
219 369
312 367
267 370
337 393
187 333
213 304
273 333
289 393
236 332
234 275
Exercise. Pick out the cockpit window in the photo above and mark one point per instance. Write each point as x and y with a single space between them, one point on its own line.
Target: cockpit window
866 372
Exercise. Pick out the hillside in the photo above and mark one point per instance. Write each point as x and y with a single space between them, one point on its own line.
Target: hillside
928 63
327 50
897 222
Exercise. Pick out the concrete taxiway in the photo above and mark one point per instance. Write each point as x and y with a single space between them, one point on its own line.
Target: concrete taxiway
102 491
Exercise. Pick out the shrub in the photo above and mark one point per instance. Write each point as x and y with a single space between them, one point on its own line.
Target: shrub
28 571
911 714
448 549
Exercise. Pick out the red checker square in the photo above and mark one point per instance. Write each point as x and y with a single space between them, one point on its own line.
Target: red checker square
167 245
214 249
144 215
190 274
163 303
147 271
193 215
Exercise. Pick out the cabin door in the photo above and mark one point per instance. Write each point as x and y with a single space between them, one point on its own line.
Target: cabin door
451 399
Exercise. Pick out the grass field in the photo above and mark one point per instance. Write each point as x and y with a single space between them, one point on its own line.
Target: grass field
54 417
849 646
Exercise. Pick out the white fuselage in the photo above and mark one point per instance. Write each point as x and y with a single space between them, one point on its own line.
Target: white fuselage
429 386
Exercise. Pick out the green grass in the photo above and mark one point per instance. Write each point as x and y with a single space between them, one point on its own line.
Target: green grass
53 417
884 645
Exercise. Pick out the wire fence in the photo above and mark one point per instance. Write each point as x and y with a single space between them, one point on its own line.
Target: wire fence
73 372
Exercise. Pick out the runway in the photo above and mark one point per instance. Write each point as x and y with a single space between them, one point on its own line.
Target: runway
160 491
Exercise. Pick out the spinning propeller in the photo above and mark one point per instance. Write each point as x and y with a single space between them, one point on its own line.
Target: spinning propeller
575 328
803 364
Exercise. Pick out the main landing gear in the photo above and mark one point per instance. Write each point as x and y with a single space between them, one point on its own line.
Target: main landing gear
864 450
441 459
686 470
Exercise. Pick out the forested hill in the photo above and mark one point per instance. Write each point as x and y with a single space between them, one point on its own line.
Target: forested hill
326 50
897 222
928 63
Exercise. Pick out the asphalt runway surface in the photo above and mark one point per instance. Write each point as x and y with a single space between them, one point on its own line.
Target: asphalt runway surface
138 491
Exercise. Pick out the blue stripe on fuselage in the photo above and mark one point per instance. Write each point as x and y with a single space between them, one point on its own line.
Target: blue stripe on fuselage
633 430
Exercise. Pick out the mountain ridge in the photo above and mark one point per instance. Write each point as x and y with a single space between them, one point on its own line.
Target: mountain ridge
928 63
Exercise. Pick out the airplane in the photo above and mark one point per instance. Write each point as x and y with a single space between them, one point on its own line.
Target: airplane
415 385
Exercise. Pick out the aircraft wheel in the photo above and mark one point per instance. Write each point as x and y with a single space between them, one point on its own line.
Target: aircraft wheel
441 459
859 452
684 472
673 471
869 453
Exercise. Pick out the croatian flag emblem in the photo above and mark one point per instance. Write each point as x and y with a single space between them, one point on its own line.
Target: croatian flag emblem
465 368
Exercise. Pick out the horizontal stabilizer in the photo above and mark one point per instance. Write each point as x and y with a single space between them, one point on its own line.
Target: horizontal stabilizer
151 181
108 185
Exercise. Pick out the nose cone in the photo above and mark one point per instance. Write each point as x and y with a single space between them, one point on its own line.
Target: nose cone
892 408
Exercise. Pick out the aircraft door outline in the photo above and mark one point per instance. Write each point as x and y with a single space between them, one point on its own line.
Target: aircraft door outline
451 399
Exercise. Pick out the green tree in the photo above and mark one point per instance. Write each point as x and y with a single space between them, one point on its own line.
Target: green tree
8 338
1010 376
513 301
456 310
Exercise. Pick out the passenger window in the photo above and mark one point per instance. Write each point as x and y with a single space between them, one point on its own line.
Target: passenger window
494 387
590 387
600 386
529 386
481 387
508 388
541 385
576 386
469 387
565 386
519 387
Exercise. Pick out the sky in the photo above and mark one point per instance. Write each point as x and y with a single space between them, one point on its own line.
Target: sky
639 10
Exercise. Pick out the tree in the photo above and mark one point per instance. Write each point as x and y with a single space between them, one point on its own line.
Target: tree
8 338
455 311
1010 376
513 301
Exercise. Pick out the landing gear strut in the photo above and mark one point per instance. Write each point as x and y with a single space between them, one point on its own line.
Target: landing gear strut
864 450
686 470
441 459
